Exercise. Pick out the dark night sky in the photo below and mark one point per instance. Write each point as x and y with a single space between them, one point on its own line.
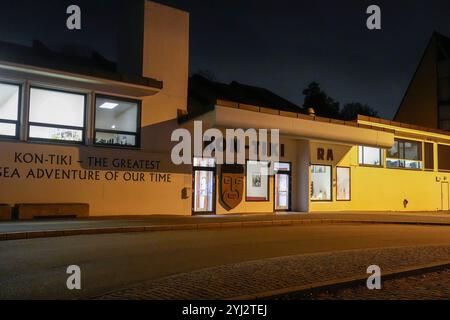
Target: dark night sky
281 45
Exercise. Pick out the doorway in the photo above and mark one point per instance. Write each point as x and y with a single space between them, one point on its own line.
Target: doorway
203 186
282 188
445 196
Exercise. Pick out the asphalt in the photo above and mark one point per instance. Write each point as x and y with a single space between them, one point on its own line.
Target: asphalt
14 230
36 268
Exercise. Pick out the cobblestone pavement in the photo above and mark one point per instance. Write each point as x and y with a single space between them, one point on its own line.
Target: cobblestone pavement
428 286
252 277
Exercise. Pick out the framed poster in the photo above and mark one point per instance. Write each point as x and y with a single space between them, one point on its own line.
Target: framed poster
343 184
257 181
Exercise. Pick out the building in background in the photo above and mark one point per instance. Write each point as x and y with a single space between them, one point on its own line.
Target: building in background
427 99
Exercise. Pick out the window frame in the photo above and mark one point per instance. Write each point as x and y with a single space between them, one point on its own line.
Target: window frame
246 182
19 111
136 134
47 125
439 158
349 183
214 192
289 173
421 146
331 182
381 165
426 160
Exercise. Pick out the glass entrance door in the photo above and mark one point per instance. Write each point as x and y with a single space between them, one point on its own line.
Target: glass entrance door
204 179
282 186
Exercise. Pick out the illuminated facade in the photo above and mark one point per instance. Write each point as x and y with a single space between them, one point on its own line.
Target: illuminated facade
102 143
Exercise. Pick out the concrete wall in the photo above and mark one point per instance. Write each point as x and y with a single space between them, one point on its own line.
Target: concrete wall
33 173
114 190
166 58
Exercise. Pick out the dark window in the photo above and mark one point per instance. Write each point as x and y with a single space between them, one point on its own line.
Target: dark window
443 157
9 110
405 154
117 121
429 156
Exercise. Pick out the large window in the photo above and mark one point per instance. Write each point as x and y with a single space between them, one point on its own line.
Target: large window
405 154
257 182
444 157
369 156
321 183
56 115
342 183
117 121
9 109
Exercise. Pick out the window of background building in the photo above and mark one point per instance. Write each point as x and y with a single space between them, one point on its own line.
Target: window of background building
369 156
405 154
342 183
257 181
117 121
320 183
9 109
444 157
56 115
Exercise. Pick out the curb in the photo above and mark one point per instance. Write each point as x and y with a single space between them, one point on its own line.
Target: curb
345 283
5 236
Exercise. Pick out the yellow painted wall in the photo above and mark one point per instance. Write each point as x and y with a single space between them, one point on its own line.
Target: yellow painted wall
384 189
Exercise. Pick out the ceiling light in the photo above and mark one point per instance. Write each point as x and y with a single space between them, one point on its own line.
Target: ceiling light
108 105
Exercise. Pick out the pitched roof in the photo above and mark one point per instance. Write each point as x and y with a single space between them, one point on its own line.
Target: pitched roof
204 93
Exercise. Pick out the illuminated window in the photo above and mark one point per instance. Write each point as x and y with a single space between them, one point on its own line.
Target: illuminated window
56 115
257 181
117 121
342 184
405 154
369 156
321 183
9 109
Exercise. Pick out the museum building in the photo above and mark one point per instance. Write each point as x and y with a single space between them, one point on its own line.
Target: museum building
87 137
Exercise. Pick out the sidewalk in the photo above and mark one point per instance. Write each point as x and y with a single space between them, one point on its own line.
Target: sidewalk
271 277
68 227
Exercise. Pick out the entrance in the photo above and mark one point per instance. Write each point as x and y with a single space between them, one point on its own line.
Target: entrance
282 189
445 196
203 186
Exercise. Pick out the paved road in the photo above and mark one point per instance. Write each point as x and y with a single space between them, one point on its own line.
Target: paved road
36 268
